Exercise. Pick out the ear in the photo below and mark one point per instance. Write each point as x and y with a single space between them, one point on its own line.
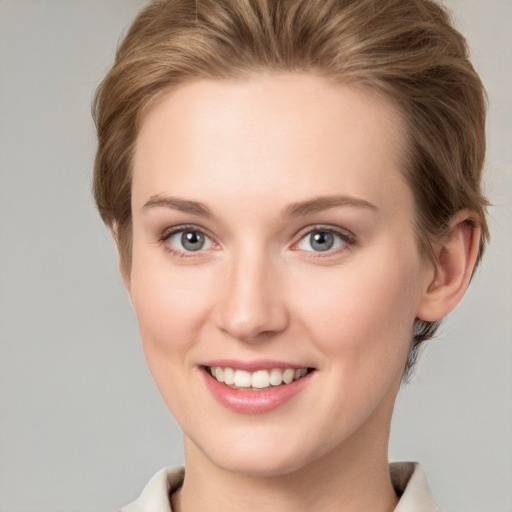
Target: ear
456 257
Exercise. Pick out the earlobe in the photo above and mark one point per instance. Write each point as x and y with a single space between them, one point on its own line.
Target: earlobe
456 257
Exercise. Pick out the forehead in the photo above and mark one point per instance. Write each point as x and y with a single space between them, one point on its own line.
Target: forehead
295 132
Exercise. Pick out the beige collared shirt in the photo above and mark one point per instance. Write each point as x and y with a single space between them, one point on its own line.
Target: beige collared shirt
408 479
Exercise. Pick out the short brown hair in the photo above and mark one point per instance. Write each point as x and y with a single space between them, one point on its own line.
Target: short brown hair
406 49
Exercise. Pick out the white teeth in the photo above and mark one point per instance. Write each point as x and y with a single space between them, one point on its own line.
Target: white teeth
219 374
229 376
259 379
242 379
276 376
288 375
300 372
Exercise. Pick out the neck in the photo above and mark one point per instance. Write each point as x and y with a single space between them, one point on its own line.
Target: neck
354 478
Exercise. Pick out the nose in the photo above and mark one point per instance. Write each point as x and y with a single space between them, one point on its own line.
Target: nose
251 305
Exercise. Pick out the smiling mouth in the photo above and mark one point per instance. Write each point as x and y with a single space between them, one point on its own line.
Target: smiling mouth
259 380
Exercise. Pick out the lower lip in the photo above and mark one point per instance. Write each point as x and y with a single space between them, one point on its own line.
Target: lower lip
254 402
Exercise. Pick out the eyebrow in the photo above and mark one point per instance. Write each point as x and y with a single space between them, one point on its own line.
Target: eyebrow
319 204
297 209
182 205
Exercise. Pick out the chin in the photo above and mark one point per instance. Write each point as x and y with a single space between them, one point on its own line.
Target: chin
260 466
266 456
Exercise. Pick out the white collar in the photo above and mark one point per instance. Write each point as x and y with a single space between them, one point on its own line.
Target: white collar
408 479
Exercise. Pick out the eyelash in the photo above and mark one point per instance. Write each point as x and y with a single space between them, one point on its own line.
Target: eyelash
349 240
169 233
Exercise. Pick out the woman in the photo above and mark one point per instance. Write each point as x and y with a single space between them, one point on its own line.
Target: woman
294 188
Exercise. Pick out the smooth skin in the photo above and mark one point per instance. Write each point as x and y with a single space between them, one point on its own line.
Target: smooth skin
250 171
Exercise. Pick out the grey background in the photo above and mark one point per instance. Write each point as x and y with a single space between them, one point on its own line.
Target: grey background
82 427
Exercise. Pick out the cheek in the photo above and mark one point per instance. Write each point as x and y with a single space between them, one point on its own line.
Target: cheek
170 304
171 307
366 310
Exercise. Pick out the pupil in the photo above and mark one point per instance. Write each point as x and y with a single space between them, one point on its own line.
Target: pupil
192 241
322 241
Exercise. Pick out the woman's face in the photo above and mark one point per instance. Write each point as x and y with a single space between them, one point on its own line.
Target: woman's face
273 236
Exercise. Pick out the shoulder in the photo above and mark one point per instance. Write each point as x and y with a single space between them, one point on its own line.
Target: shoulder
155 497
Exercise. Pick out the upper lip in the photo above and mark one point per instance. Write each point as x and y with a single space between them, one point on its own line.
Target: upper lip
252 366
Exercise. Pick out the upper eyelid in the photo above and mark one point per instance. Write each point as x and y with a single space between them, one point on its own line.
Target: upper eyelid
343 232
165 236
168 232
347 237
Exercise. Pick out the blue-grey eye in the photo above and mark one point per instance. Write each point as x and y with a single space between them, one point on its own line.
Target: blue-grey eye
320 240
190 241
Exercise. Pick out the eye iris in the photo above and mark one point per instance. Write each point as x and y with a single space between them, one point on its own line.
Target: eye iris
322 241
192 240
